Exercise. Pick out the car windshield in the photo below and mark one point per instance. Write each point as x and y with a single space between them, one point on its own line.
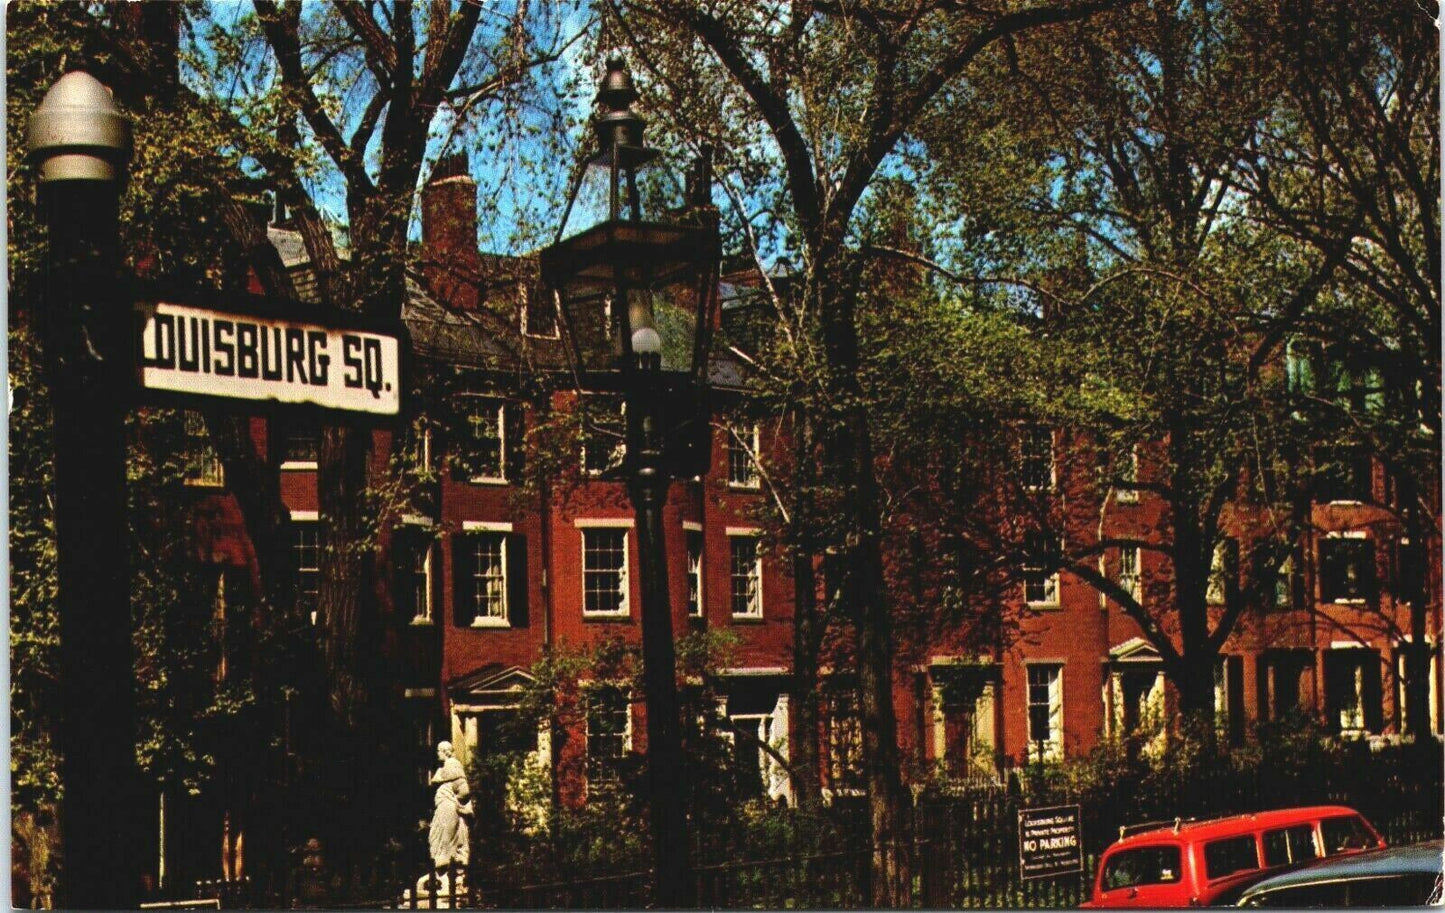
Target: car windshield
1347 832
1411 889
1144 865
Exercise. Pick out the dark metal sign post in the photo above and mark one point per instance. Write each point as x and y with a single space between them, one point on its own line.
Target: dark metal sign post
1050 841
82 144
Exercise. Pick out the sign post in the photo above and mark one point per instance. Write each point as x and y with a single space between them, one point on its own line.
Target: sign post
1049 841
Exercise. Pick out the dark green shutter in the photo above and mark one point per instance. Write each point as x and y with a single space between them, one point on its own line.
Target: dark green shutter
517 584
515 424
463 561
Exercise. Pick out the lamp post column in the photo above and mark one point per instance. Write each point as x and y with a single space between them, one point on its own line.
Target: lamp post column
82 144
648 484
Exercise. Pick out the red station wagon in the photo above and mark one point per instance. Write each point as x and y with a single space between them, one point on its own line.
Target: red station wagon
1203 863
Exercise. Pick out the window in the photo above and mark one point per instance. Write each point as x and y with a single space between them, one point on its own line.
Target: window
694 573
1223 571
539 314
604 572
1280 683
300 447
1129 572
203 463
1347 569
1146 865
1041 586
1289 844
609 733
484 440
1036 465
747 576
844 740
306 558
1125 492
604 424
482 584
1343 476
1230 855
414 575
1346 832
1353 695
1046 711
743 455
1284 579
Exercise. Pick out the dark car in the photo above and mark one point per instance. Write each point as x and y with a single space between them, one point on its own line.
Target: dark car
1401 876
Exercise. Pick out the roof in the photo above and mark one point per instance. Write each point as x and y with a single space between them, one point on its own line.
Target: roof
1220 827
1420 858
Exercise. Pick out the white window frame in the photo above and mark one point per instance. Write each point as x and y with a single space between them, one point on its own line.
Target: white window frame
1216 584
745 439
471 532
736 534
692 533
291 465
1052 595
423 614
624 577
1357 534
525 297
1130 476
306 519
1030 431
475 402
1131 581
1054 745
204 468
589 688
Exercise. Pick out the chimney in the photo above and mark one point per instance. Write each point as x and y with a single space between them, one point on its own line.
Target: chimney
450 263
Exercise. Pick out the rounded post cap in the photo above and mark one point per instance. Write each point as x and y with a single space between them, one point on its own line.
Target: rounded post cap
78 133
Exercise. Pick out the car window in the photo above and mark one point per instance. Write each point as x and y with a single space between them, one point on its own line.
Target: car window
1230 855
1346 832
1144 865
1289 844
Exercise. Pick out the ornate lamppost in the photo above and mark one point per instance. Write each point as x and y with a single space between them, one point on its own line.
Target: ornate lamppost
638 301
81 144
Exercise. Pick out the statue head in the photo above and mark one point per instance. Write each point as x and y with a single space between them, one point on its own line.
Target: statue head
444 750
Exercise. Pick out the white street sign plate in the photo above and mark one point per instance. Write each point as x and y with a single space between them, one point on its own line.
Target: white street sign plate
202 351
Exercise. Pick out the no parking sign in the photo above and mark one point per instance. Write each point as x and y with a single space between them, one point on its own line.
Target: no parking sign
1049 841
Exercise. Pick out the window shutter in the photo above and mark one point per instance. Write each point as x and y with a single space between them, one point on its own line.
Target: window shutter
1372 696
401 602
463 562
1234 686
517 585
515 425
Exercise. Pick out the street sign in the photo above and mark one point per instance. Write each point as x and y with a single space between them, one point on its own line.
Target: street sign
1050 841
240 354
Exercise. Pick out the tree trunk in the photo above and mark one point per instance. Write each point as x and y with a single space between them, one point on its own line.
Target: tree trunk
807 630
851 458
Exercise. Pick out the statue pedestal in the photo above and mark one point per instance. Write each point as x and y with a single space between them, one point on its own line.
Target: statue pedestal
421 897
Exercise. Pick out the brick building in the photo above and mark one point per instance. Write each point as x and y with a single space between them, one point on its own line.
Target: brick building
484 573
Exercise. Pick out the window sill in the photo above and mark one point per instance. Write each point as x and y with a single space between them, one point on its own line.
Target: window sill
487 480
421 621
293 465
748 619
740 486
1354 600
1121 499
492 623
1044 606
607 616
203 483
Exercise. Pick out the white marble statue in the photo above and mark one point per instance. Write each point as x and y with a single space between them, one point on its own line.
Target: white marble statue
450 809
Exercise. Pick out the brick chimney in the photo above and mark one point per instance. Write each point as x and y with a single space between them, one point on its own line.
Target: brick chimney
450 263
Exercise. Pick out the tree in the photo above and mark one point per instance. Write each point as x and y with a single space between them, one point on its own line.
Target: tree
1350 159
838 87
1166 308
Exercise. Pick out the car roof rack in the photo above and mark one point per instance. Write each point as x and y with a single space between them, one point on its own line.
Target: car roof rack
1128 830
